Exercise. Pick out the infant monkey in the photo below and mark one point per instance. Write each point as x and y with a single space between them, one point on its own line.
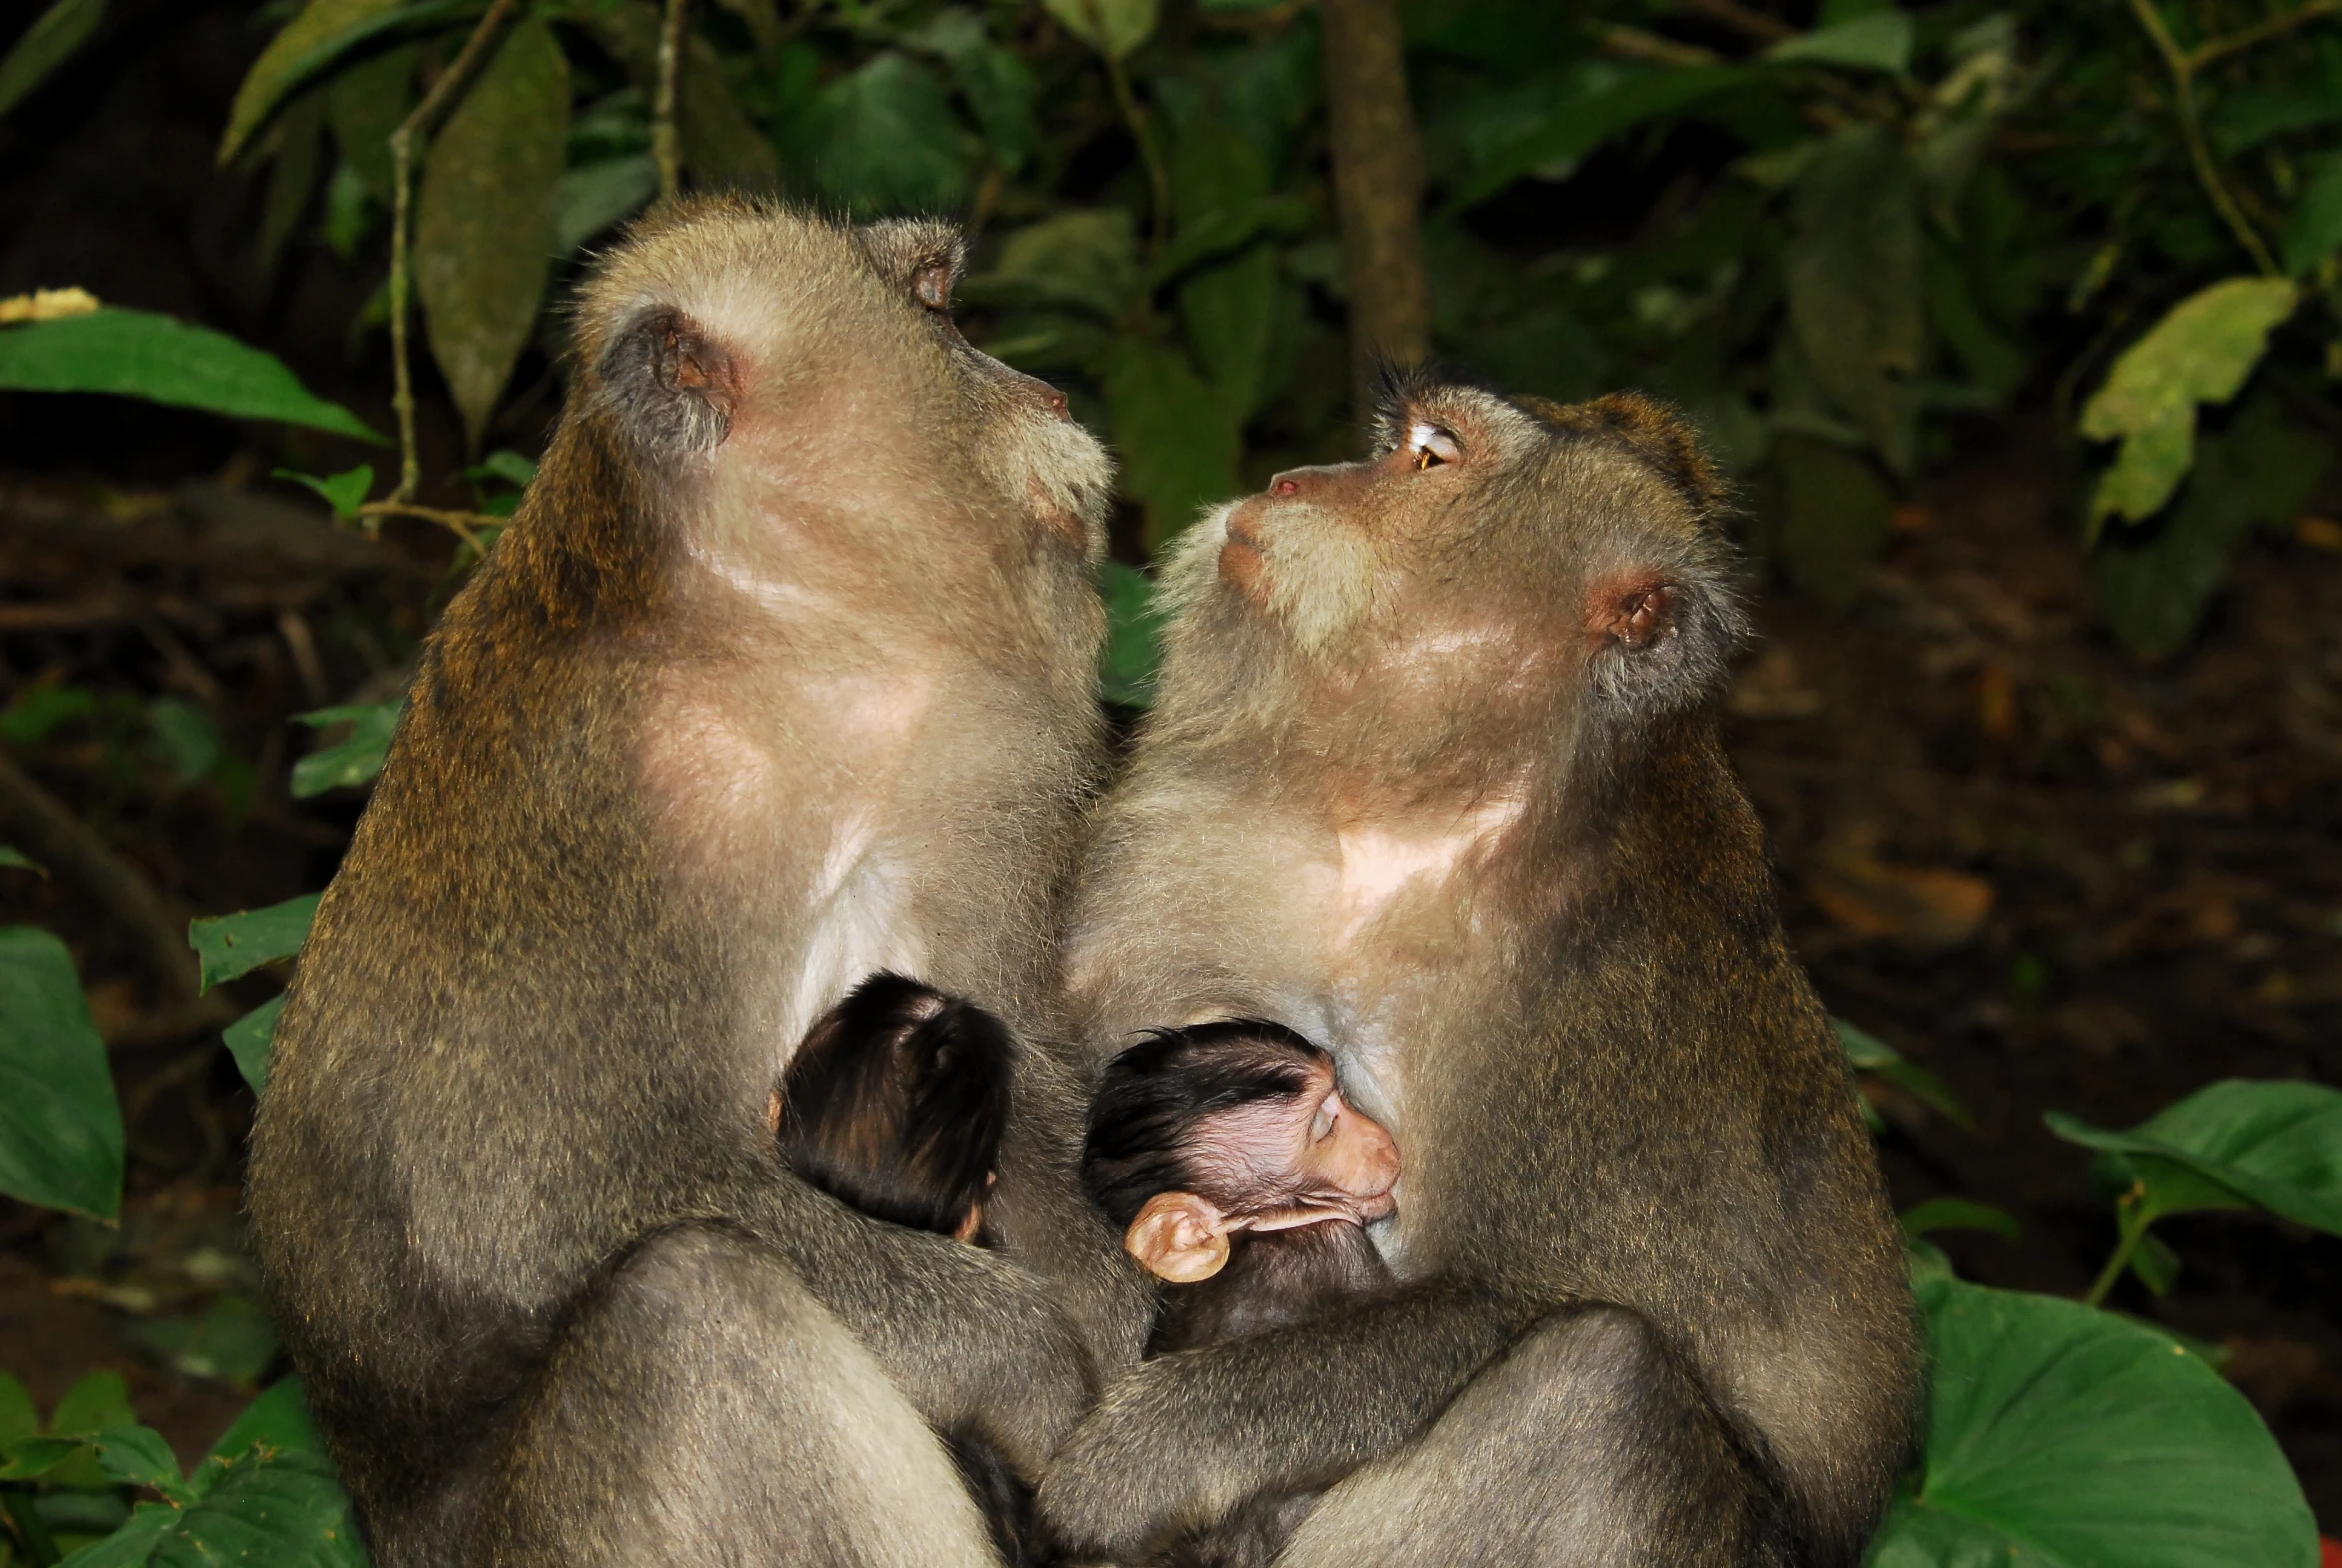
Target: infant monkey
1242 1177
894 1105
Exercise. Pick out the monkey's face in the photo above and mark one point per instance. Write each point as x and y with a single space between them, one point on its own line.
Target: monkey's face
1287 1157
1490 554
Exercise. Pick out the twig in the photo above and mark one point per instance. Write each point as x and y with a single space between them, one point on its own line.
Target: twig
1743 20
666 144
2132 1236
416 125
54 835
1632 43
2182 65
460 523
1157 180
2212 49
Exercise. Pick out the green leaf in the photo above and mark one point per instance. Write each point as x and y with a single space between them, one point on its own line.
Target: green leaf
883 138
308 43
2200 352
136 354
1086 259
1563 122
1227 231
1112 27
29 1458
231 1343
13 859
186 738
2314 232
1877 41
2276 1144
60 1126
301 137
353 759
232 945
96 1402
45 45
2155 583
38 710
1855 275
1231 315
344 491
594 196
18 1418
283 1509
997 85
486 216
139 1456
722 147
1134 634
2070 1438
1836 516
248 1041
364 103
278 1419
1178 438
1866 1053
1959 1214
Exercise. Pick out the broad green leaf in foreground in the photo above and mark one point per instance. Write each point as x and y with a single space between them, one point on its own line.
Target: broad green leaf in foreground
60 1124
353 759
487 216
2068 1437
248 1040
1133 625
136 354
2200 352
1112 27
282 1508
2273 1144
232 945
45 45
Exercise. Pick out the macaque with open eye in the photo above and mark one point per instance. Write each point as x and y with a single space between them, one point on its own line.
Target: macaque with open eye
783 674
1238 1174
1432 776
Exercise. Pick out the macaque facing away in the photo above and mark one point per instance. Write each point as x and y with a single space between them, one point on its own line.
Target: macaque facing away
1240 1175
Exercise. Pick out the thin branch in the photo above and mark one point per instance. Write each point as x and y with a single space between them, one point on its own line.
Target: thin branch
666 142
2132 1236
2182 67
2213 48
1157 180
1741 19
460 523
403 148
50 833
1632 43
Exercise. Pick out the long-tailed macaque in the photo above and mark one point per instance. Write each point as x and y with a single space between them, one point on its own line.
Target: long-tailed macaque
1434 778
782 675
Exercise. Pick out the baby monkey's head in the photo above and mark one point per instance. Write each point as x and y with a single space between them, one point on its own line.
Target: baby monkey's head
895 1105
1198 1132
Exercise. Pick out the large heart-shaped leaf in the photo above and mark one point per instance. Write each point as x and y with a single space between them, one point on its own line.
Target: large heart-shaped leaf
2068 1437
2200 352
232 945
2275 1143
136 354
487 215
60 1124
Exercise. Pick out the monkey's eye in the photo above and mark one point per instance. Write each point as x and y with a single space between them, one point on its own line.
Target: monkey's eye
1327 1109
1428 446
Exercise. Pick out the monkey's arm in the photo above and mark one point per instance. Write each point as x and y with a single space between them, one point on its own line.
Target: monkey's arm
1183 1439
973 1341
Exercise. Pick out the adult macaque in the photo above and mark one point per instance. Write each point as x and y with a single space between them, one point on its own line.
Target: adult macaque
1434 778
782 675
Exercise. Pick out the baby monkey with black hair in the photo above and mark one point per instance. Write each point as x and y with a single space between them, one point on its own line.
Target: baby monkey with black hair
1242 1177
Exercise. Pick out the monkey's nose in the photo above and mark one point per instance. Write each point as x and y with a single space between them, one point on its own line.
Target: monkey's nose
1284 485
1057 405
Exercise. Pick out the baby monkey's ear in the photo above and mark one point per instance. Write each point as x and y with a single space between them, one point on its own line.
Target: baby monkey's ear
1179 1237
671 384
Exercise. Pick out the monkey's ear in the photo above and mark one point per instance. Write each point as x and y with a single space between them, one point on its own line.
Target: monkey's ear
1179 1237
671 384
922 256
1661 640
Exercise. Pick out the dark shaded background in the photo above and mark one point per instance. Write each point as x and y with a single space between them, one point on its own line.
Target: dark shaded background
2157 844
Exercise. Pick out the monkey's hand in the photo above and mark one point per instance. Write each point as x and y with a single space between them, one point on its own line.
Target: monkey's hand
1179 1441
976 1343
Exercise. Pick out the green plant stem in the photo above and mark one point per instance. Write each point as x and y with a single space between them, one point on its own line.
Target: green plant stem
2213 48
2113 1272
1157 181
666 142
2184 65
460 523
403 148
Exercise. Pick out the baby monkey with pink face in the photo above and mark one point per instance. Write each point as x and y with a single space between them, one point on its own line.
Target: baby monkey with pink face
1240 1175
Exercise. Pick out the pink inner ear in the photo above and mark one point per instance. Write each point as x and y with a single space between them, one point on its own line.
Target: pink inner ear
1635 611
932 285
702 364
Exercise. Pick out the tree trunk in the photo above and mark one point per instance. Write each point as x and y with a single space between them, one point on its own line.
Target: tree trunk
1378 185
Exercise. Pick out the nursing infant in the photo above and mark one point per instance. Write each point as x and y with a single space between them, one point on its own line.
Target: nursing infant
1225 1152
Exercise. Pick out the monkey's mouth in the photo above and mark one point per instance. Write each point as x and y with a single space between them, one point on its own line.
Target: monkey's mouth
1242 560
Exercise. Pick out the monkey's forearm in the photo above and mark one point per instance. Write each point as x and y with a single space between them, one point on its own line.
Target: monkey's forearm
973 1341
1181 1441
